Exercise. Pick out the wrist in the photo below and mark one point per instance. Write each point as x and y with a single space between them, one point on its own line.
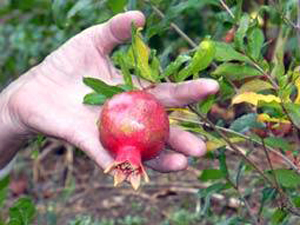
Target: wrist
10 124
13 133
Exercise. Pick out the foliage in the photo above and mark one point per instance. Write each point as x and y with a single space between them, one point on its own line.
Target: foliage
22 212
248 46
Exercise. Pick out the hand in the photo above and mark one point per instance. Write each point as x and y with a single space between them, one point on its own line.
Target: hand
48 98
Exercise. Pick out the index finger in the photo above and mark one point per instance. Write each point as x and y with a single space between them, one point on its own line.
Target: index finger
184 93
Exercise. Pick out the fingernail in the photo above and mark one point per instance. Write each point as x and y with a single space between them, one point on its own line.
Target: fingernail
212 86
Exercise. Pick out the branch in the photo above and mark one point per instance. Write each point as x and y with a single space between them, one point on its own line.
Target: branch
227 9
227 140
174 26
287 160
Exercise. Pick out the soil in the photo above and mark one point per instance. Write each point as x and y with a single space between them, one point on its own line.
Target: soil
64 184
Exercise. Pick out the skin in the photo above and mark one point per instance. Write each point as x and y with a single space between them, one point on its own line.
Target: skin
48 98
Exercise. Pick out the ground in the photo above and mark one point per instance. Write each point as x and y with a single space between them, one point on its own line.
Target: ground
66 185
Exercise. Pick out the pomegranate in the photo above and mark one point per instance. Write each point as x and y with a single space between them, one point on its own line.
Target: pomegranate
134 127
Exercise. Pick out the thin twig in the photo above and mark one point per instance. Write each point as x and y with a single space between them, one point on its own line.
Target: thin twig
227 9
227 140
268 76
174 26
287 160
270 165
244 200
284 17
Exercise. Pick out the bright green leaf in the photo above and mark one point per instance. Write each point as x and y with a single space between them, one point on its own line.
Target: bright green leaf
277 142
205 105
278 217
22 212
200 61
211 174
287 178
121 60
116 6
241 32
255 43
296 201
94 99
235 71
155 64
4 182
102 88
225 52
294 112
222 162
174 66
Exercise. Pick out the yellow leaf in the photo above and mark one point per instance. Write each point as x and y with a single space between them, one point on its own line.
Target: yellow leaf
141 54
263 117
297 84
253 98
214 144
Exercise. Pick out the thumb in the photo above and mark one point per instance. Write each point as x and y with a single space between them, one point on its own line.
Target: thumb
117 30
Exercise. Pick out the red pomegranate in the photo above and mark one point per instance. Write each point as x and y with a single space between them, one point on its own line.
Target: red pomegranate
134 127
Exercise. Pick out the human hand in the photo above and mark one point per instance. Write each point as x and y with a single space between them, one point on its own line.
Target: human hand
48 98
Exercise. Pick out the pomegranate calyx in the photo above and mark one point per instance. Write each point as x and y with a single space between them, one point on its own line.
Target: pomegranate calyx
126 171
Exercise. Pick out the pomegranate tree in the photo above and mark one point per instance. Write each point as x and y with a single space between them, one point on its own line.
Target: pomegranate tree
134 127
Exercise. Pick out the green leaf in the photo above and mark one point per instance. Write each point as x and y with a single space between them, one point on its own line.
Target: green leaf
225 52
245 123
205 105
255 85
255 43
94 99
154 64
117 6
235 71
241 32
208 192
102 88
277 142
273 109
211 174
294 112
287 178
120 57
22 212
174 66
4 182
222 162
278 216
278 61
226 89
268 194
141 53
201 60
296 201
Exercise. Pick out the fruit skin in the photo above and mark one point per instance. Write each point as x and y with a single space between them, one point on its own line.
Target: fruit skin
134 127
